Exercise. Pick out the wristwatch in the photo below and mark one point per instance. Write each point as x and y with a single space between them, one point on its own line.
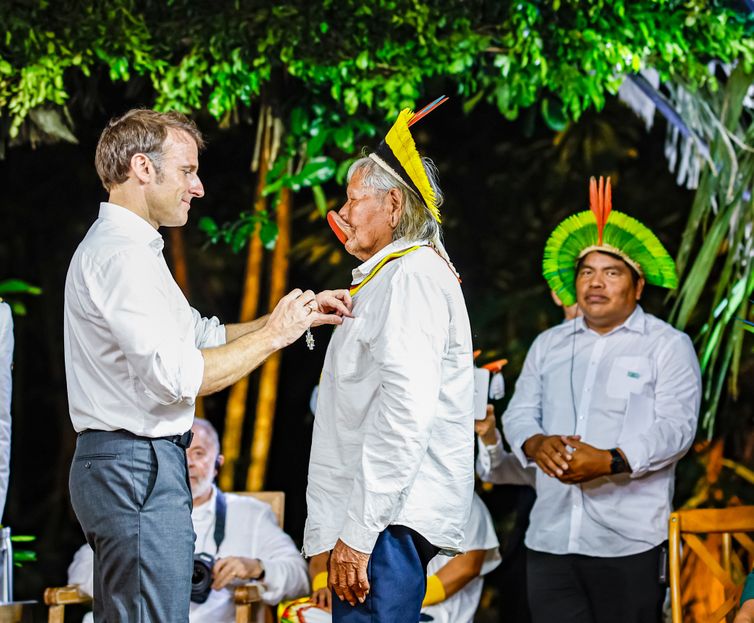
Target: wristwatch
618 464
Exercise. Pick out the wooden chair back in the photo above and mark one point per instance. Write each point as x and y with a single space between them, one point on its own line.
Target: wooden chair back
276 499
726 554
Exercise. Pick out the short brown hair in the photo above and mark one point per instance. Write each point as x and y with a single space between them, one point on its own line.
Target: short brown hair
139 131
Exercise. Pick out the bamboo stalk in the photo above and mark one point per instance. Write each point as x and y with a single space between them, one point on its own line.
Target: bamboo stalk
180 272
268 381
235 411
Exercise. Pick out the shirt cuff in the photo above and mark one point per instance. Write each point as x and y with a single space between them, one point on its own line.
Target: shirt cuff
517 445
358 537
636 455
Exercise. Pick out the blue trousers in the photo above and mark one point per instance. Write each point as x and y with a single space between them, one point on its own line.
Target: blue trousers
397 573
132 498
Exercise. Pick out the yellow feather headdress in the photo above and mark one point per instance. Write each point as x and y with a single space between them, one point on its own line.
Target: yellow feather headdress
397 154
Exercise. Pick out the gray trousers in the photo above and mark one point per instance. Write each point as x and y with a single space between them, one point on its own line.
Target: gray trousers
132 498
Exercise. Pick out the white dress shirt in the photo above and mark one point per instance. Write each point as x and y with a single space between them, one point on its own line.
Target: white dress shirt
250 531
636 388
394 428
6 385
131 341
479 533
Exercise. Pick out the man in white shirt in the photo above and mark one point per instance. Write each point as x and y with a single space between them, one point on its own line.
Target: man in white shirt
605 406
137 356
252 545
391 468
6 385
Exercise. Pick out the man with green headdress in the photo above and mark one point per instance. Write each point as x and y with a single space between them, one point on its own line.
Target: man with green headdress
605 406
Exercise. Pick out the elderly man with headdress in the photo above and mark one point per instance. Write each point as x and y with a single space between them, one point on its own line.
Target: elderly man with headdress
391 469
605 406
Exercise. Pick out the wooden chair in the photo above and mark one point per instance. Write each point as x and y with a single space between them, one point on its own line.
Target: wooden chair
248 597
726 529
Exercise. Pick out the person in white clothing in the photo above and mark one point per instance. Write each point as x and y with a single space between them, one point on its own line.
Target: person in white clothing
605 406
137 356
391 469
254 547
6 385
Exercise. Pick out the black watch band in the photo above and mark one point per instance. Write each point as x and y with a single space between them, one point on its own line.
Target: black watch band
618 464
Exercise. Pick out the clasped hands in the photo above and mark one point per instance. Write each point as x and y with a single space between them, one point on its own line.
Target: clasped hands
567 458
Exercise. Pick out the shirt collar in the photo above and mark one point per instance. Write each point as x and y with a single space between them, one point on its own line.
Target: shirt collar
132 225
361 271
636 322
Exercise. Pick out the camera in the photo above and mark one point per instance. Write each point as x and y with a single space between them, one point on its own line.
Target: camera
201 578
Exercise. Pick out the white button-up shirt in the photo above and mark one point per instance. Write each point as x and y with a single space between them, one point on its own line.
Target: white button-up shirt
636 388
394 428
6 384
131 341
250 531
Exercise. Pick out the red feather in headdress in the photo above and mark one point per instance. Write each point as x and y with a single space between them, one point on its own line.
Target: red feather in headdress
600 203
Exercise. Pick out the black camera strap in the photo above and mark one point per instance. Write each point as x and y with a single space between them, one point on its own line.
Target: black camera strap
221 512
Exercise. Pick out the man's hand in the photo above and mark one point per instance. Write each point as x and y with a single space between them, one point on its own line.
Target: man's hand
232 568
586 462
336 302
550 454
348 573
293 315
486 428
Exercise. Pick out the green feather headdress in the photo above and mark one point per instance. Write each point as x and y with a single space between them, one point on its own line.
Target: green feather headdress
602 229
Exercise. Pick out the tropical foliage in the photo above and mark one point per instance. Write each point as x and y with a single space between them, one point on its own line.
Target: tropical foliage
321 78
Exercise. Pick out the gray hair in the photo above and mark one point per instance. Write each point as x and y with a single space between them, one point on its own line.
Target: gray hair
417 222
210 430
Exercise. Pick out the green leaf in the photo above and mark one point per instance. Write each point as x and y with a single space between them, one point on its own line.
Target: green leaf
343 137
208 225
316 171
268 234
319 199
16 286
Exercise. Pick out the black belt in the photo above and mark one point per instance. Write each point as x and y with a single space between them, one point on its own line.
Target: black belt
182 441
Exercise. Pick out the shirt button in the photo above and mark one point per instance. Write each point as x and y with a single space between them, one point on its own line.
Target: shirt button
581 417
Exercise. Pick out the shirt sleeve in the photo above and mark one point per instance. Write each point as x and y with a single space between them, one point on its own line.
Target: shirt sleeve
285 572
81 570
523 417
676 410
6 384
499 467
130 293
208 331
411 335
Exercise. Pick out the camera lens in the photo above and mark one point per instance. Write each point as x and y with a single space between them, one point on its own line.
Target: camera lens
201 578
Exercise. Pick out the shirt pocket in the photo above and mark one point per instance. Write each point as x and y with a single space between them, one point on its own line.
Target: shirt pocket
628 376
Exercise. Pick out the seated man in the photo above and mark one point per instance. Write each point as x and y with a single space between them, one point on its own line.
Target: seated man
253 547
454 584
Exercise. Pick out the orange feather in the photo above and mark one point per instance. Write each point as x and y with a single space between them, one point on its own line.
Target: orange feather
600 203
